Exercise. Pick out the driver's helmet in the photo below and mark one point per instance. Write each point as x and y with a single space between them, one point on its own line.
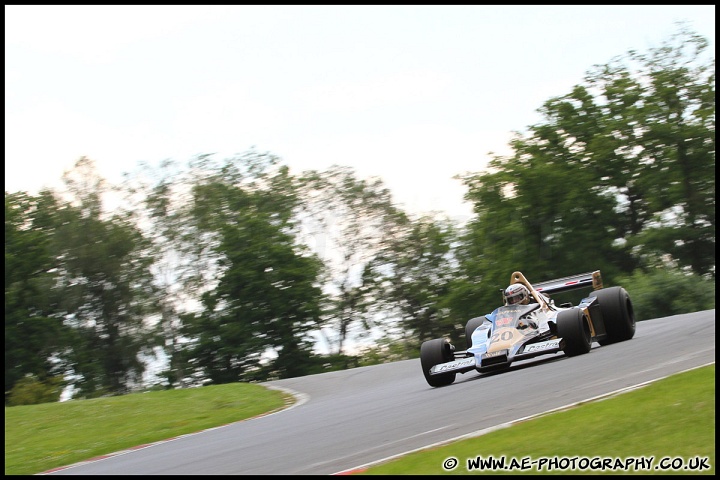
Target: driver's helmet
516 294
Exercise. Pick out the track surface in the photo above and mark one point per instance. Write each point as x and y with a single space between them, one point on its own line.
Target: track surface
351 418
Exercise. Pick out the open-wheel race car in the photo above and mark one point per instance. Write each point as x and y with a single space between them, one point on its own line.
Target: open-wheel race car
529 324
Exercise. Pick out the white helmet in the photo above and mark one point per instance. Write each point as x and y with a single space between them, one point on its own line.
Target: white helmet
516 293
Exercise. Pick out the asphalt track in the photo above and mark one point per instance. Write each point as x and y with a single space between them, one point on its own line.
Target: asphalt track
349 419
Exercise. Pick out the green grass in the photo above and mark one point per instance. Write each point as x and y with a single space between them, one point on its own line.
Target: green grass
674 417
50 435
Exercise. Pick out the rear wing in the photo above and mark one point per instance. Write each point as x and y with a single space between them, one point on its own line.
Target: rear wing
589 279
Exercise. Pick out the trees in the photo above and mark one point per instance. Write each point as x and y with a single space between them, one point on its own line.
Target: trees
185 266
77 289
33 334
349 221
411 276
663 292
265 296
643 128
105 288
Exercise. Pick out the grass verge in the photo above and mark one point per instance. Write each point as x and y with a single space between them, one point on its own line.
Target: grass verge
671 419
41 437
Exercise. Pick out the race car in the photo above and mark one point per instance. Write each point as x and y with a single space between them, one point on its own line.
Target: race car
519 331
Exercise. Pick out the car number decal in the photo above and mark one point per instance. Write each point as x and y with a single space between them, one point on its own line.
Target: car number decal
454 365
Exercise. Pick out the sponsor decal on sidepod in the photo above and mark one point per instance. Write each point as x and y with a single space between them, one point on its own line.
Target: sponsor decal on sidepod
539 347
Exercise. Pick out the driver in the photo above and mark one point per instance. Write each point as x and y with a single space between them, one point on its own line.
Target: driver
516 294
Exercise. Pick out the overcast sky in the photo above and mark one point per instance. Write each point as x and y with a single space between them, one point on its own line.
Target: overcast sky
411 94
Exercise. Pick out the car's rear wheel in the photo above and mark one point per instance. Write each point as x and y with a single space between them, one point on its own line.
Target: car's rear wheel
434 352
574 329
470 327
617 314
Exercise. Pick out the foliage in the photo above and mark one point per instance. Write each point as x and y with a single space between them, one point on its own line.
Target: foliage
105 286
411 275
266 297
185 266
642 128
77 288
388 349
353 220
33 336
30 390
663 292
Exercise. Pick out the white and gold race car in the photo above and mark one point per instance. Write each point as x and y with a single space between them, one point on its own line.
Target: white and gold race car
517 331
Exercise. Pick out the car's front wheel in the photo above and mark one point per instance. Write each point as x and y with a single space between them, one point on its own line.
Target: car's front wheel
434 352
573 328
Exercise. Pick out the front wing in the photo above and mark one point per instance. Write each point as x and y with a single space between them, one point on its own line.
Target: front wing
478 361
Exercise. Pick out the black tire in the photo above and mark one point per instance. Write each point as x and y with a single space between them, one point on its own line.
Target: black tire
434 352
617 313
574 329
470 327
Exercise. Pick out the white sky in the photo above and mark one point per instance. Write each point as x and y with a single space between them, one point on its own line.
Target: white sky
412 94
